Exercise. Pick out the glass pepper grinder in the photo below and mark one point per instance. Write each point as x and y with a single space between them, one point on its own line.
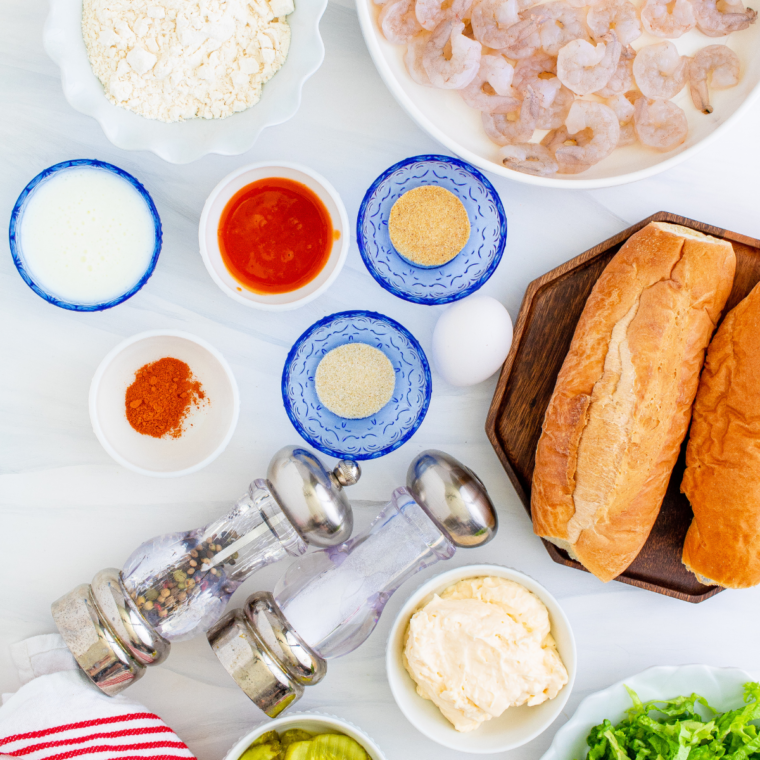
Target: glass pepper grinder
328 603
176 586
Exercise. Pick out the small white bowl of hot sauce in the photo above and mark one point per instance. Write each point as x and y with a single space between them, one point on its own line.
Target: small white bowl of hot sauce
274 236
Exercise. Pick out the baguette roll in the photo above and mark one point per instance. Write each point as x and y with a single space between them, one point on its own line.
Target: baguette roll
622 402
722 478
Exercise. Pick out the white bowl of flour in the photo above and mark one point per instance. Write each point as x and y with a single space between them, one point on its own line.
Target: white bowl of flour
192 138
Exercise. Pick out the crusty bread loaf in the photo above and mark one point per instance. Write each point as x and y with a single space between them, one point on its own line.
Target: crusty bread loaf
722 478
622 402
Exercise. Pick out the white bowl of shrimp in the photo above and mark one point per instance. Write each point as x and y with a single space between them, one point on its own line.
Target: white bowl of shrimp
573 95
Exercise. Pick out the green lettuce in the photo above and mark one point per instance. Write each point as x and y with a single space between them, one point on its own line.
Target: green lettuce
673 730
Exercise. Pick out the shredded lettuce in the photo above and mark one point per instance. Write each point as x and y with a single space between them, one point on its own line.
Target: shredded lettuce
673 730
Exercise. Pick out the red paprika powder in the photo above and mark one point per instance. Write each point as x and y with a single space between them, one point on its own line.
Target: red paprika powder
160 397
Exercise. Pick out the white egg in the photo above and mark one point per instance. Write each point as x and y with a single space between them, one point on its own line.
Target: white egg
471 340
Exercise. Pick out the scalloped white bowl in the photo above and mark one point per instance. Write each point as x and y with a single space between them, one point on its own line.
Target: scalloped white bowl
308 721
446 118
185 141
722 687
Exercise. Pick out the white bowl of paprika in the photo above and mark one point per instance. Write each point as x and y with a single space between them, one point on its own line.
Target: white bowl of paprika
164 403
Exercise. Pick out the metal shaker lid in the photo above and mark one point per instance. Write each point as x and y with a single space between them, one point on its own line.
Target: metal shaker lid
264 655
106 633
312 496
453 497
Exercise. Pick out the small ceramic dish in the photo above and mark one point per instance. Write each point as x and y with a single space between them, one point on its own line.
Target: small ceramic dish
15 236
314 722
183 141
370 437
470 269
209 241
517 725
721 687
207 429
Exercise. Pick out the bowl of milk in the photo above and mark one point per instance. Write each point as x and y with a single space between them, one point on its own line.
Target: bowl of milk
85 235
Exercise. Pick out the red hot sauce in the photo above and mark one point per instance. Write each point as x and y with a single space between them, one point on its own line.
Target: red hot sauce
275 235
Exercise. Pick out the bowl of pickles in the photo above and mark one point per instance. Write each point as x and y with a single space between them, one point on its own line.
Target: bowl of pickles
306 736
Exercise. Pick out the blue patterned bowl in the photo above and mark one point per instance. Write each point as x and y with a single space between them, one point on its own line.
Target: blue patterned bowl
466 272
373 436
17 214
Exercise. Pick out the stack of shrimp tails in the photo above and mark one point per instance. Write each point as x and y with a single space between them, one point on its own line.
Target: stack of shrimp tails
562 84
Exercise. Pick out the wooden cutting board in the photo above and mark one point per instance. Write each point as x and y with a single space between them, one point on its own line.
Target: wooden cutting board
545 325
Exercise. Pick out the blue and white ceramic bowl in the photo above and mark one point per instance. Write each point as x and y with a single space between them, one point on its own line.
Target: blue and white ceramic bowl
17 252
466 272
370 437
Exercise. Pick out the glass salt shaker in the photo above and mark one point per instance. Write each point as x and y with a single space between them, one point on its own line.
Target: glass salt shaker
176 586
328 603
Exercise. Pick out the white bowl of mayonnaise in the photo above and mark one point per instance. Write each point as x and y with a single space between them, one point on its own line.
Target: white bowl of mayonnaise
477 650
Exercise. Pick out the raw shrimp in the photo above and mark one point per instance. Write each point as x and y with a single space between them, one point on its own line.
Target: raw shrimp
398 21
492 90
660 71
491 19
458 70
717 63
559 23
530 158
584 68
624 110
560 137
523 39
622 80
605 133
413 59
665 18
539 71
715 21
430 13
554 115
619 16
519 129
659 124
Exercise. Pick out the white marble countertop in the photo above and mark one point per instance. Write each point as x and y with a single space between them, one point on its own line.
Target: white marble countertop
67 510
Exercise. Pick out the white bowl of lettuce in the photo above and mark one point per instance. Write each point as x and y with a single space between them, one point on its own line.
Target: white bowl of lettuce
670 710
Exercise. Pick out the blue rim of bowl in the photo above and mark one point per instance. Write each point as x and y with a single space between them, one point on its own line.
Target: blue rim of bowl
326 321
502 229
16 248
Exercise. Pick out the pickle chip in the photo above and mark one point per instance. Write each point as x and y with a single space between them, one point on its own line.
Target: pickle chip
293 735
270 737
298 751
336 747
263 752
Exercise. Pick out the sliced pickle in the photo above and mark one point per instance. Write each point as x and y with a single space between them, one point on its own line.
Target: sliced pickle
293 735
270 737
263 752
298 751
335 747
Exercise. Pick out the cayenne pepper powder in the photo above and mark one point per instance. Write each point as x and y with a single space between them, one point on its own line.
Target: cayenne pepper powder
159 399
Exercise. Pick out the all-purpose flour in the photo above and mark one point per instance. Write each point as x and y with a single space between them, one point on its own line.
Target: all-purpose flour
178 59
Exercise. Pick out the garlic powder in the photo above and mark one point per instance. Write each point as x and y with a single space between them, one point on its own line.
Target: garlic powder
178 59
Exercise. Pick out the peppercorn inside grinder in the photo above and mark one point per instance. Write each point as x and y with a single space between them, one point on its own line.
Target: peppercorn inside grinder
328 603
176 586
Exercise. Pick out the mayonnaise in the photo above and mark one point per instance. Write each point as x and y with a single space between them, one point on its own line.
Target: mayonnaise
482 646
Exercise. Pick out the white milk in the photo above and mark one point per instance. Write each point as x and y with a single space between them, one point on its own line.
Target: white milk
87 235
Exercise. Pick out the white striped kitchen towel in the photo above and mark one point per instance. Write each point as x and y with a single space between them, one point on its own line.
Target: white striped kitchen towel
62 716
